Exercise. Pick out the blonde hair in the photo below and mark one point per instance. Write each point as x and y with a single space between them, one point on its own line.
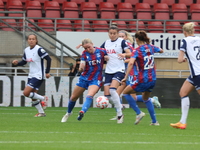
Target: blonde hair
86 41
129 37
189 27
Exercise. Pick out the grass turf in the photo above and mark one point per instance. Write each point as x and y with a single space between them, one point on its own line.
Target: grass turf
19 130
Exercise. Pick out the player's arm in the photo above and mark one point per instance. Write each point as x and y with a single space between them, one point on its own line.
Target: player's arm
47 71
129 68
82 66
21 63
181 57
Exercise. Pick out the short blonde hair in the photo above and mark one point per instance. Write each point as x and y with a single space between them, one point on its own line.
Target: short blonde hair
86 41
129 37
189 27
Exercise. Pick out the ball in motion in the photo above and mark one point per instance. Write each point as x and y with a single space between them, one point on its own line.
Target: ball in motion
102 102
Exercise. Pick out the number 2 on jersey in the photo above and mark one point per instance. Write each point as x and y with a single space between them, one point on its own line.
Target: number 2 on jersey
198 52
149 62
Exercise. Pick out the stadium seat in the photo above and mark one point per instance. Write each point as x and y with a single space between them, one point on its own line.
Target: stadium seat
70 10
11 22
186 2
179 11
161 11
143 11
2 8
52 9
100 26
77 1
133 2
60 1
150 2
97 2
168 2
197 1
107 10
125 11
82 25
28 24
42 1
115 2
33 8
155 27
121 25
46 24
134 26
173 27
64 25
89 10
14 5
195 11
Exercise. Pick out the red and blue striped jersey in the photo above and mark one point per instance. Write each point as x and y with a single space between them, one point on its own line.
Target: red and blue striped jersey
144 56
93 64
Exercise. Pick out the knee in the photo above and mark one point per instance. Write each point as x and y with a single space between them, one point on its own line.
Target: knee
25 93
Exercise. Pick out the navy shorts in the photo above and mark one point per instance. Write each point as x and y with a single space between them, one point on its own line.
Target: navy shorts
116 76
194 81
34 83
85 84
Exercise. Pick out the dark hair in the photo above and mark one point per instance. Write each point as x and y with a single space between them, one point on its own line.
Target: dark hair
142 36
113 27
35 37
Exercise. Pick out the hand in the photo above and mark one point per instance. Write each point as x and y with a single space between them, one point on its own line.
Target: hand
124 80
15 62
106 58
121 56
48 75
78 46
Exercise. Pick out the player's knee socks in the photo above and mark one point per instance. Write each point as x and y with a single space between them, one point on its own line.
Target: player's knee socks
151 110
109 98
132 103
34 95
87 103
38 106
116 100
71 105
185 105
139 98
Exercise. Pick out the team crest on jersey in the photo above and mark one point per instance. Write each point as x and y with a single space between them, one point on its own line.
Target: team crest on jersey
42 50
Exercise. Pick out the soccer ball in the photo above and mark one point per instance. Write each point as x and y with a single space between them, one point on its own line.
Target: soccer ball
102 102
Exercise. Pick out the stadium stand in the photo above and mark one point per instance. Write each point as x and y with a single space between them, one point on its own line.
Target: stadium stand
52 9
115 2
132 26
97 2
64 25
89 10
155 27
80 25
46 24
70 10
195 11
133 2
179 11
2 8
173 27
168 2
77 1
121 25
125 11
186 2
14 5
150 2
143 11
60 1
11 22
33 8
100 26
107 10
20 24
161 11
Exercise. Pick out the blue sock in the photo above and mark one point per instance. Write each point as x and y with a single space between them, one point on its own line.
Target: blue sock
132 103
71 105
150 108
87 103
139 98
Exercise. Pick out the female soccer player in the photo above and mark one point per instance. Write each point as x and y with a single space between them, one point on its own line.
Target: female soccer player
117 50
146 78
190 46
35 55
91 66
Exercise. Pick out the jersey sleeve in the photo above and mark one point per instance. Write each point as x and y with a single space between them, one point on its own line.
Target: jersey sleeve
156 49
83 56
183 45
103 45
42 53
24 56
134 53
124 45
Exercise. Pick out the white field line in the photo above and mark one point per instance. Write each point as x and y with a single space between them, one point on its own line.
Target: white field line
99 142
105 133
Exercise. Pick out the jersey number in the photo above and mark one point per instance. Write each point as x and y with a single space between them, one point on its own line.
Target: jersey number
198 53
149 62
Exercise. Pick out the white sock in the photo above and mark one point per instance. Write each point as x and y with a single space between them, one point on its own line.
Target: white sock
36 96
39 108
152 100
185 105
116 101
110 99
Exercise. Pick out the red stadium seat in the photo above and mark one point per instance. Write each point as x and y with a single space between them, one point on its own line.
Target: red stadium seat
77 1
179 11
2 8
168 2
115 2
161 11
46 24
150 2
195 11
135 26
155 27
82 25
125 11
173 27
64 25
100 26
197 1
28 24
70 10
133 2
186 2
143 11
11 22
52 9
121 25
97 2
33 8
14 5
107 10
89 10
60 1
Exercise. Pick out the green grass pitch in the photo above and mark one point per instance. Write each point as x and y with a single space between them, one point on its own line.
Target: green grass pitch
19 130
